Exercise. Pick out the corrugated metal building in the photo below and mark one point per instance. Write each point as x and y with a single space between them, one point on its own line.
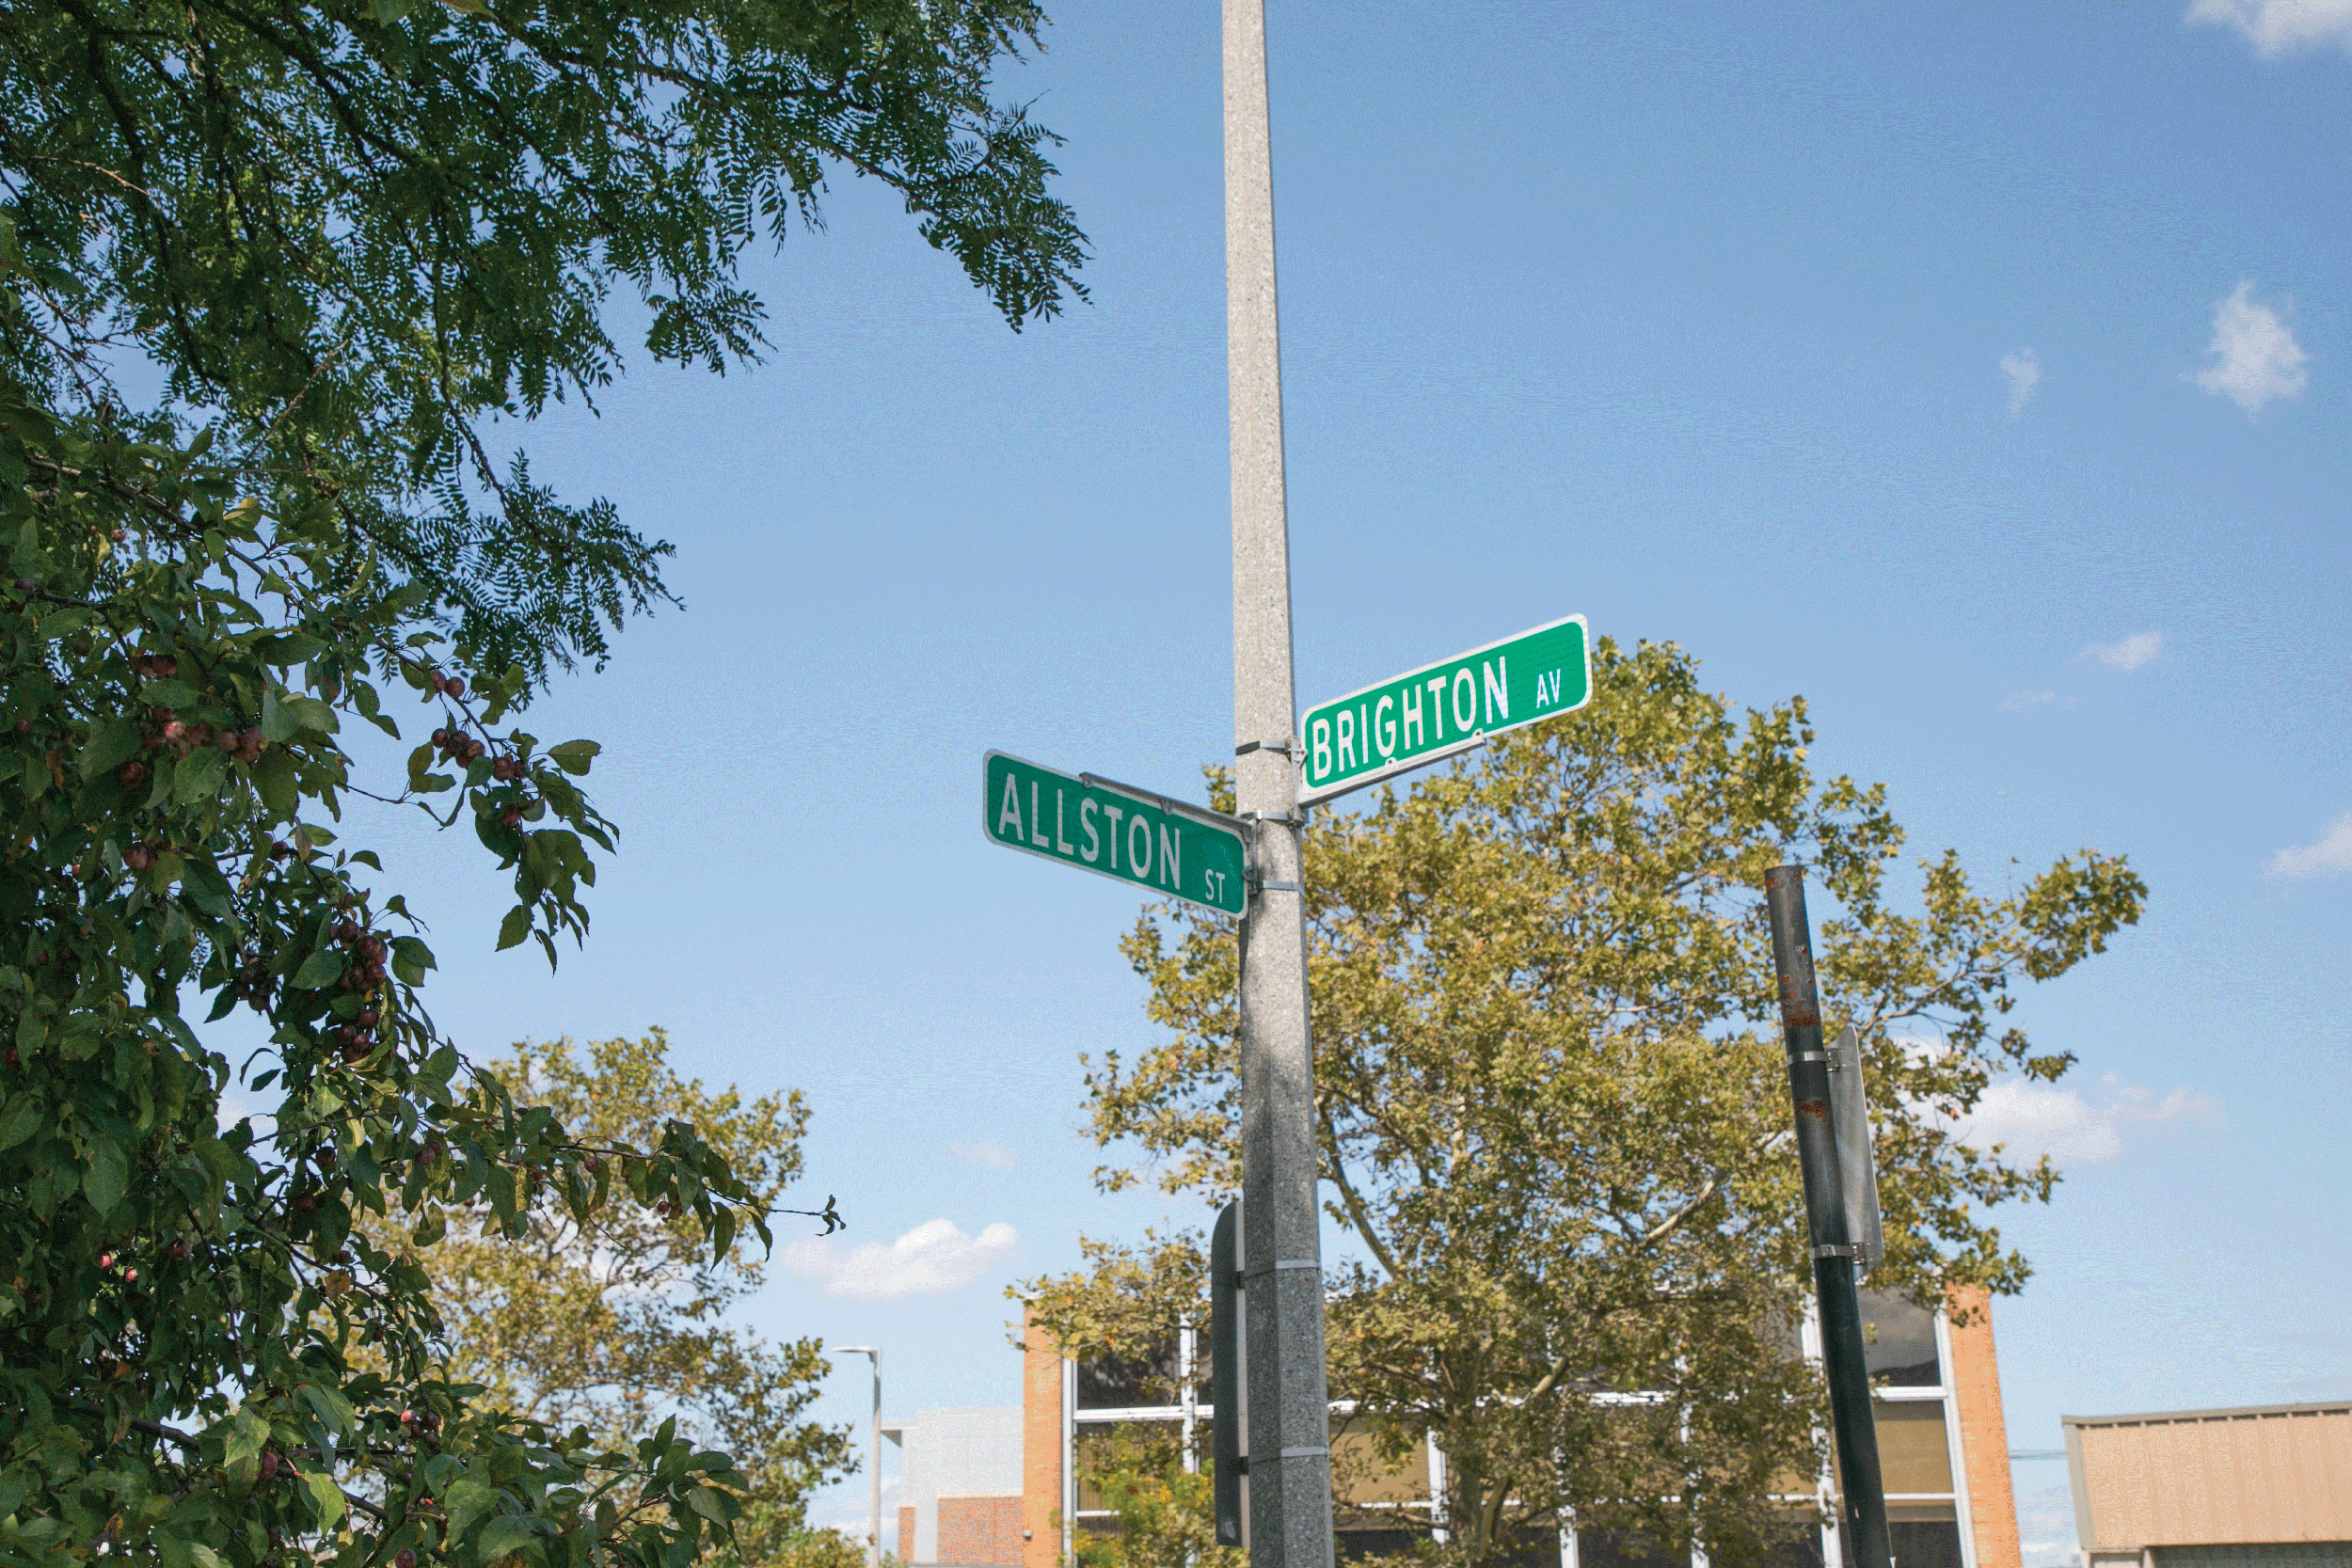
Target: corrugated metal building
2266 1486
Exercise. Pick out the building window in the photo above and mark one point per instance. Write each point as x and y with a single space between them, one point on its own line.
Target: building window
1899 1342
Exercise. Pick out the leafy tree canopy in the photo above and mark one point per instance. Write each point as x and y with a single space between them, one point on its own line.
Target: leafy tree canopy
1554 1114
268 273
614 1319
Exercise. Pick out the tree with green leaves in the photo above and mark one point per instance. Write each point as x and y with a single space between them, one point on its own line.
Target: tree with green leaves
1554 1114
1164 1514
269 275
616 1319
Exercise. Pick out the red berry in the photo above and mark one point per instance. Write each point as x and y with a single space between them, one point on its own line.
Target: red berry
269 1466
404 1557
454 686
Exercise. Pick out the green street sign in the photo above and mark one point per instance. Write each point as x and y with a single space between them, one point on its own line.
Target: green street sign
1113 831
1415 719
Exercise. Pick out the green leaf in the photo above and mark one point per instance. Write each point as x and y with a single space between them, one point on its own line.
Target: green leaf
466 1500
574 756
288 648
273 776
709 1502
413 950
508 1532
321 969
331 1406
310 714
200 774
248 1436
203 885
62 623
513 928
389 11
429 1229
112 743
29 560
326 1494
19 1120
108 1175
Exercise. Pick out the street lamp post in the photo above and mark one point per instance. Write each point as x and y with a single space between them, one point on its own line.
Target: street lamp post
873 1550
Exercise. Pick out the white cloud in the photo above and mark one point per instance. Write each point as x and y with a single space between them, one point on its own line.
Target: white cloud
2331 856
2127 653
933 1259
2033 1119
2024 369
2256 360
2276 26
2018 702
987 1153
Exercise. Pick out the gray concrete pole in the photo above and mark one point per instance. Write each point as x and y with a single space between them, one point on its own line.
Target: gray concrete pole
1289 1453
874 1548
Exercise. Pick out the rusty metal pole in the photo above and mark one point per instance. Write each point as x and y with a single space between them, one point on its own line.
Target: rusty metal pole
1863 1507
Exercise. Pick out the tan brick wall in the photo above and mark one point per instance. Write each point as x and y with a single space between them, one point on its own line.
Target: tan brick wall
1976 1375
981 1530
906 1535
1041 1447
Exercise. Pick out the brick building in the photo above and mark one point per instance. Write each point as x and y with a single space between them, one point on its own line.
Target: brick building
960 1487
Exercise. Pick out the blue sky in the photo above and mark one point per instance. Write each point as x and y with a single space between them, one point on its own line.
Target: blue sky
1979 372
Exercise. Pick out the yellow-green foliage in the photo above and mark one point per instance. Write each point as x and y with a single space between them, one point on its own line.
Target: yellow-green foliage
1554 1108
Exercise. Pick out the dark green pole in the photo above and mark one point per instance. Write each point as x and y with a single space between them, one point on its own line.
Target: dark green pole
1863 1506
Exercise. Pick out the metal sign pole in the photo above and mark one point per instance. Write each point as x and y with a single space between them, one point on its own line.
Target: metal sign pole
1864 1510
1290 1456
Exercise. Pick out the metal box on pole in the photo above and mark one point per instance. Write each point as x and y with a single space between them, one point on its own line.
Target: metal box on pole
1227 1385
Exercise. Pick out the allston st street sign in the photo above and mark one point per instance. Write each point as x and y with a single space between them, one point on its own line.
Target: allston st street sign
1412 719
1098 827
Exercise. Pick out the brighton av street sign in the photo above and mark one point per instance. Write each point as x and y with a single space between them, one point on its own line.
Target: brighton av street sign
1431 713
